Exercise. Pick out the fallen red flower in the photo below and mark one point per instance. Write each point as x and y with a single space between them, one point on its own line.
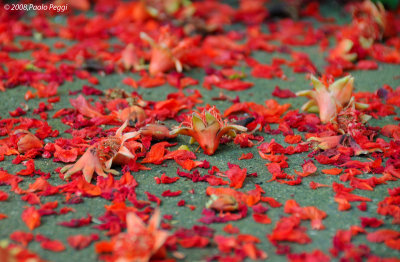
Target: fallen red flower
140 242
207 128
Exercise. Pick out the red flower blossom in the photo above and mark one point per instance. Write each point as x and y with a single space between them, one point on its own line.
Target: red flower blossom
166 52
328 101
207 128
138 243
100 156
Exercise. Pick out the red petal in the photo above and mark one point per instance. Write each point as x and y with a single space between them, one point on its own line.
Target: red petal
261 218
31 198
370 222
236 176
283 93
156 153
3 196
166 179
30 167
169 193
383 235
393 243
332 171
246 156
79 242
194 241
53 245
21 237
31 217
293 139
77 222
